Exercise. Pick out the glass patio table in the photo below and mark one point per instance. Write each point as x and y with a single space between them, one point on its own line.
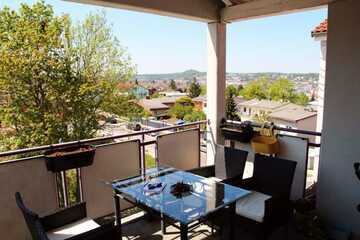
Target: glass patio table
206 197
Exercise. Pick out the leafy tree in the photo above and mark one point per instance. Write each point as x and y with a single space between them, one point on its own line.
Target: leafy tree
195 116
182 107
203 90
230 107
123 105
301 99
56 75
232 89
256 89
281 90
172 85
194 89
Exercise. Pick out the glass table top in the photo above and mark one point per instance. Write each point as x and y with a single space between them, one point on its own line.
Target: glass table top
205 197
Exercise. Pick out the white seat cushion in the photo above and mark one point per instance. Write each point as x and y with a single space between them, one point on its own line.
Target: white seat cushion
252 206
215 179
72 229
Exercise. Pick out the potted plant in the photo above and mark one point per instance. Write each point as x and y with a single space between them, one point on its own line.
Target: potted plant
69 158
242 132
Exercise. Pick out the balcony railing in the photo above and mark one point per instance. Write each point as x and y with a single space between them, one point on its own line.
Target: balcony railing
44 191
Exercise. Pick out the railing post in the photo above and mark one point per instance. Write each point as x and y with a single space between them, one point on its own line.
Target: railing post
143 167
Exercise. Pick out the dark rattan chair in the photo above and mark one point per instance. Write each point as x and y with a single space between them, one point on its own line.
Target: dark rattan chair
268 207
70 223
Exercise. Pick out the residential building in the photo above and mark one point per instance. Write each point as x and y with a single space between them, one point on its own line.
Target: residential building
200 103
337 191
294 116
155 107
253 107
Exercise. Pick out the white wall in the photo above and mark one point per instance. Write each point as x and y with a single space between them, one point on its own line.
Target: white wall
339 190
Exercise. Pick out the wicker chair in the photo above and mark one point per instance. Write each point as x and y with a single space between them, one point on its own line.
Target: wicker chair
70 223
268 207
229 163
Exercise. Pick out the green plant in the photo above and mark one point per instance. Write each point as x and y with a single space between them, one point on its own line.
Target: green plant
182 107
194 89
55 75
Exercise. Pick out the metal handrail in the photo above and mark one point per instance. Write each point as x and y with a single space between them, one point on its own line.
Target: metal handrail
258 125
94 140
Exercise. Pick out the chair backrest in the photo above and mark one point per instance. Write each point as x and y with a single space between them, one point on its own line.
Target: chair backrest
180 150
112 161
32 220
229 162
273 176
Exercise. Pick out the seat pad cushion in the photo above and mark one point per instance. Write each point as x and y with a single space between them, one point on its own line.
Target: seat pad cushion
215 179
252 206
72 229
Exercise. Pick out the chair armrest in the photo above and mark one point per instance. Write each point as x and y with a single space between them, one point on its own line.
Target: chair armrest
238 181
208 171
107 231
64 216
278 211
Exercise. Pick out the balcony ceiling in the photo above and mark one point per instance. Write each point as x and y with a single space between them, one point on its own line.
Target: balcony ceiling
212 10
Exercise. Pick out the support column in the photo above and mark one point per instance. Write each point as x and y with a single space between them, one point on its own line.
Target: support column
216 83
338 186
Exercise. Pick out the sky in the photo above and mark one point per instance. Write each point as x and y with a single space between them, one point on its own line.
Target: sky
159 44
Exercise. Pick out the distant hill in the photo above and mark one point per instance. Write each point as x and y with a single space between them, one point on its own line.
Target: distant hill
187 75
190 74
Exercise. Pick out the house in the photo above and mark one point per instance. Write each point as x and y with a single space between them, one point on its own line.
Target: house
173 94
337 191
294 116
320 34
200 103
158 107
136 90
139 92
254 107
155 107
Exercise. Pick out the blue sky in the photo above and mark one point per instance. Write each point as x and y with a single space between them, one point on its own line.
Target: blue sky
160 44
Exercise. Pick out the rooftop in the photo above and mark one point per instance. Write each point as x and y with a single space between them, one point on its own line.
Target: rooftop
263 104
152 104
293 113
320 29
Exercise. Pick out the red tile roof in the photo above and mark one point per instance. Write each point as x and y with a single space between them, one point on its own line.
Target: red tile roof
321 29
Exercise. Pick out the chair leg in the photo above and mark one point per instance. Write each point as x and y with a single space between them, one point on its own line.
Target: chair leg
286 232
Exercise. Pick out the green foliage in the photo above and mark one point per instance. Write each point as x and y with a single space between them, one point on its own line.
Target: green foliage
233 90
203 90
55 74
194 89
262 117
195 116
149 161
301 99
280 90
182 107
124 106
256 89
230 106
172 85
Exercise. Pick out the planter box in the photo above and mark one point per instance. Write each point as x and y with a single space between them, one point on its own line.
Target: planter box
69 158
237 134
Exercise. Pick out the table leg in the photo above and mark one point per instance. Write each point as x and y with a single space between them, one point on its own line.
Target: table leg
163 225
184 231
117 213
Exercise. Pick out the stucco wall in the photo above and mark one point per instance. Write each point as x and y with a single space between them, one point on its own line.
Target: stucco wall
339 190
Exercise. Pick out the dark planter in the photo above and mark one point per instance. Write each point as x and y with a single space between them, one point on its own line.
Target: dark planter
242 133
69 158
